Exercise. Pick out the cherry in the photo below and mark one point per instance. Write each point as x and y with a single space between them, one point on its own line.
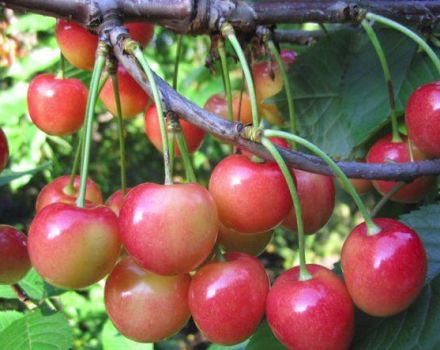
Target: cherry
422 117
57 191
384 272
15 262
193 134
57 106
76 43
385 150
362 186
169 229
218 105
74 247
233 241
114 202
317 197
144 306
313 314
4 150
142 32
251 197
227 298
134 100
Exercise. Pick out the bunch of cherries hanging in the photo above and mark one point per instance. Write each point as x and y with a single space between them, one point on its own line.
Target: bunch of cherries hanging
190 251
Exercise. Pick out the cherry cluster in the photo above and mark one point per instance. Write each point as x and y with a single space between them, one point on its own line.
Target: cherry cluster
190 251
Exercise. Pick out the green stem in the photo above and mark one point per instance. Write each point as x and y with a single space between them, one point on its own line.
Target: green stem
304 273
181 142
132 47
114 78
227 80
171 142
410 149
228 31
62 65
422 43
371 226
69 189
177 62
387 75
384 200
287 87
90 111
102 82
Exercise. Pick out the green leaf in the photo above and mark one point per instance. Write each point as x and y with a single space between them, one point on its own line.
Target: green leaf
8 175
425 222
113 340
31 23
37 331
7 317
264 339
415 328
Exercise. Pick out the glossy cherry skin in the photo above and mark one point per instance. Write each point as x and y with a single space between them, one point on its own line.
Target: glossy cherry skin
422 117
317 197
76 43
193 135
134 100
218 105
56 191
169 229
233 241
362 186
144 306
4 150
57 106
114 202
227 298
15 262
316 314
251 197
142 32
385 150
74 247
385 272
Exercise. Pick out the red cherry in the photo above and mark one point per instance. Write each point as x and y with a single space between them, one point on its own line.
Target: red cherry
313 314
385 272
385 150
218 105
422 118
56 191
227 298
76 43
193 134
4 150
73 247
15 262
169 229
57 106
144 306
362 186
134 100
251 197
114 202
142 32
317 197
233 241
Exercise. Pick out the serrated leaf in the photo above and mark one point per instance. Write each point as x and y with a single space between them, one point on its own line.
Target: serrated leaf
8 176
37 331
264 339
113 340
7 317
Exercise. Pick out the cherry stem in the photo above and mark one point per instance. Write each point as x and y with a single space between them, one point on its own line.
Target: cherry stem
177 62
384 200
226 79
410 149
228 31
181 142
23 297
304 274
62 65
287 88
397 26
69 189
372 228
114 78
171 137
104 79
387 75
133 47
101 53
